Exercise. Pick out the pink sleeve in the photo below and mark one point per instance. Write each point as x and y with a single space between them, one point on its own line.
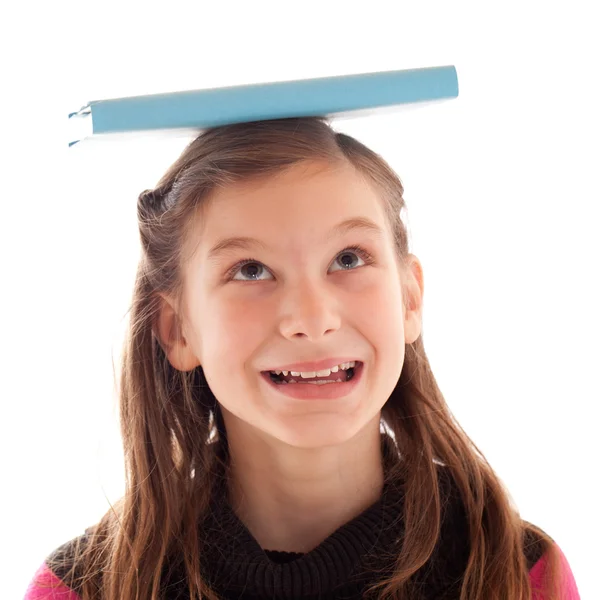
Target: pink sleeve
568 590
59 591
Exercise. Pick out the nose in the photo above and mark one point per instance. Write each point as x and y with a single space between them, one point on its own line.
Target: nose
309 311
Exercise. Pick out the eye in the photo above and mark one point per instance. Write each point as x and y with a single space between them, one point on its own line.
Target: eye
357 251
254 269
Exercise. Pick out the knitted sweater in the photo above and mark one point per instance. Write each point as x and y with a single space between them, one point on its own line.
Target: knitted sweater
340 567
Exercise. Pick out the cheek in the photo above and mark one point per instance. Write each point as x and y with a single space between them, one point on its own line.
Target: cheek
386 326
387 335
381 307
234 329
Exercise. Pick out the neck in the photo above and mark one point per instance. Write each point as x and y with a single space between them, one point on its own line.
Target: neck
291 499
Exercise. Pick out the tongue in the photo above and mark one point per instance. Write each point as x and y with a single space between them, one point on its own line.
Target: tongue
339 376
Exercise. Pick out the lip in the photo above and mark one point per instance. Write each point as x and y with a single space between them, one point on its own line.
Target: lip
315 365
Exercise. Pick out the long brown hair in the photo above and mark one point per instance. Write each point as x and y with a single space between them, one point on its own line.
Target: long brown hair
171 421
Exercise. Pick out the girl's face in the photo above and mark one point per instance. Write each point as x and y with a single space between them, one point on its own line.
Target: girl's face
297 300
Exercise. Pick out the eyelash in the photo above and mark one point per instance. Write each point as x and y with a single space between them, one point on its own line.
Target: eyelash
359 250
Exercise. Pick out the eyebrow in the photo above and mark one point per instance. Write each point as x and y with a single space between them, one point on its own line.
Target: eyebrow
244 243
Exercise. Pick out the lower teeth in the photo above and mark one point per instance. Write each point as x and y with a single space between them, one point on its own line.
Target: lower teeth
319 381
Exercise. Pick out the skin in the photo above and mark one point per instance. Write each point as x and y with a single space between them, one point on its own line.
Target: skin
300 468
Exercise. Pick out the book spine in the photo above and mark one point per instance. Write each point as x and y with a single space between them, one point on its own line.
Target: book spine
213 107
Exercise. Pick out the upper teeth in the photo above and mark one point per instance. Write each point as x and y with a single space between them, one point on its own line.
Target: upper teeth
323 373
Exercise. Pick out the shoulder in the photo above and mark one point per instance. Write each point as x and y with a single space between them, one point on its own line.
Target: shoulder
53 579
537 549
45 585
538 555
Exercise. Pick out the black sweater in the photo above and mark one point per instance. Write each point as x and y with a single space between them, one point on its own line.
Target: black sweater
355 555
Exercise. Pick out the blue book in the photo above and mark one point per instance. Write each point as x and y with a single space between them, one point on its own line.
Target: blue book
342 95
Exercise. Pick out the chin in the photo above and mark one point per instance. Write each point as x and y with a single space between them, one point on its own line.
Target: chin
329 431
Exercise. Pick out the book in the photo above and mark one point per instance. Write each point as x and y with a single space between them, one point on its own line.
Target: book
193 110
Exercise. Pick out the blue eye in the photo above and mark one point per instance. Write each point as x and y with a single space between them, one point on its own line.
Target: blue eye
256 269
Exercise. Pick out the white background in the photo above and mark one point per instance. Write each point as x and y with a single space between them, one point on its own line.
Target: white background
502 193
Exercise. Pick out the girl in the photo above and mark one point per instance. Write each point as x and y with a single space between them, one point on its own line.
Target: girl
284 434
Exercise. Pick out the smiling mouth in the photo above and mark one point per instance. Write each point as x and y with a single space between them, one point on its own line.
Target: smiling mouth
339 377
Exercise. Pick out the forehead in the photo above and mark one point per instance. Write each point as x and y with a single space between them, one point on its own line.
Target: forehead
298 205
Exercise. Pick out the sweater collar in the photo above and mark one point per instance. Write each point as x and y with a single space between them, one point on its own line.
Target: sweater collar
236 563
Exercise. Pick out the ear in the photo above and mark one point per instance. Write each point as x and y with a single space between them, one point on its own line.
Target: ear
413 289
168 331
